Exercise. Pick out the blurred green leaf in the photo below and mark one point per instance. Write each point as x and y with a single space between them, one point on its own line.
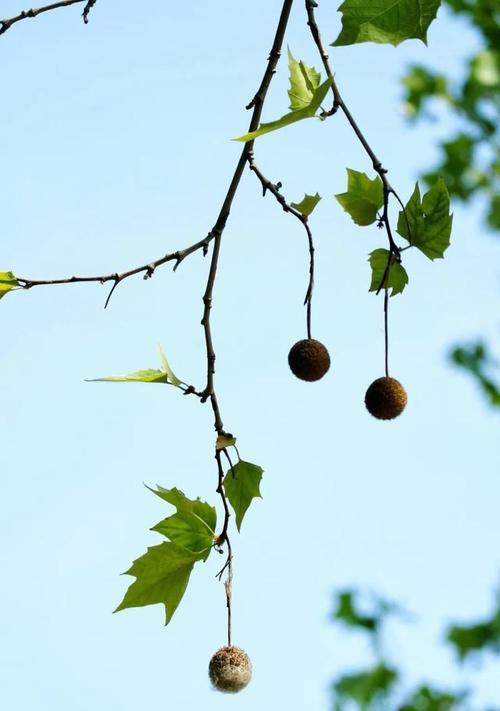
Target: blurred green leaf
346 611
385 21
476 360
478 637
426 698
242 484
367 688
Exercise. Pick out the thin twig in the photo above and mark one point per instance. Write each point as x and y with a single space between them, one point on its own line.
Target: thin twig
386 331
274 189
257 104
25 14
86 10
148 269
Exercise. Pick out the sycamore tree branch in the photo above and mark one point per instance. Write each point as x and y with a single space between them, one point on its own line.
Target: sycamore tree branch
34 12
116 277
216 232
256 105
274 189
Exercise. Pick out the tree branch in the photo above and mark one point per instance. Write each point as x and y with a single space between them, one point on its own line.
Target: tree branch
34 12
274 189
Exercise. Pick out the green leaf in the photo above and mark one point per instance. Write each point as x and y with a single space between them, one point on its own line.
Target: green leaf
482 636
476 359
7 282
348 613
140 376
162 575
172 378
304 81
165 375
429 221
395 279
367 688
385 21
432 699
241 485
364 197
307 205
306 95
192 526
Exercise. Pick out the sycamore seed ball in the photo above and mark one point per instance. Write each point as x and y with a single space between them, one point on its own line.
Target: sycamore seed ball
309 359
386 398
230 669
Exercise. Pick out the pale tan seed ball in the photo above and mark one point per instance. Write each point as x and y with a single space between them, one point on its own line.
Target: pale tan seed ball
386 398
230 669
309 360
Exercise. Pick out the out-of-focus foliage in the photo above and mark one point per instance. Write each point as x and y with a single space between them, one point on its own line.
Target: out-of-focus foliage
470 156
380 686
477 360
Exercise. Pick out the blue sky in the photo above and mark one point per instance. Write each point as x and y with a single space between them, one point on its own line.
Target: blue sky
115 150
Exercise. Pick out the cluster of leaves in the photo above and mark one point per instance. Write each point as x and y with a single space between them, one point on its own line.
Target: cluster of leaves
162 573
380 686
425 223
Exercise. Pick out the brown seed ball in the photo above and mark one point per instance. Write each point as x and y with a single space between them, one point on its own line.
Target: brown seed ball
386 398
230 669
309 359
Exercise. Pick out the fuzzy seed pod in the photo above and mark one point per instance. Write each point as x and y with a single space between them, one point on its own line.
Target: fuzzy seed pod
230 669
309 359
386 398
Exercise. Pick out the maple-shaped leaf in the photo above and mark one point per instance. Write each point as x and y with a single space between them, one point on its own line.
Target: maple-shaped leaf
385 21
192 526
241 485
306 95
395 278
162 575
426 223
364 197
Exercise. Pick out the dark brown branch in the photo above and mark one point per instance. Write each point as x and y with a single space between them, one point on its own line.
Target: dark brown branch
274 189
116 277
256 104
25 14
86 10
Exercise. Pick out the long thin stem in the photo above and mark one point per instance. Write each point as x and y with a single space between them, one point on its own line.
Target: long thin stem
274 189
386 331
33 12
